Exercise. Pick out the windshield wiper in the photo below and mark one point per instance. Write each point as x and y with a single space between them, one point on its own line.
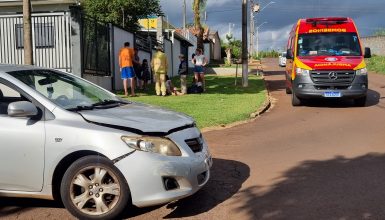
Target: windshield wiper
109 102
81 107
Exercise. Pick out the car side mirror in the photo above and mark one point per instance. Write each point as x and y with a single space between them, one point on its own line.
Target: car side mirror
289 54
368 53
22 109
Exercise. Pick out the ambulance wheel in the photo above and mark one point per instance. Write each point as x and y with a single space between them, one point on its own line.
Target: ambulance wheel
295 101
288 90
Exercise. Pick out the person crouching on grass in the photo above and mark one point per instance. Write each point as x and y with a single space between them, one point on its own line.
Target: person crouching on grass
126 55
200 62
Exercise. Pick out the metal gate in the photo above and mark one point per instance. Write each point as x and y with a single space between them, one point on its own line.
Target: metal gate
96 47
51 33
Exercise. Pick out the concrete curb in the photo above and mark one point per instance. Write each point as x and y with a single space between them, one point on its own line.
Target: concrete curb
253 116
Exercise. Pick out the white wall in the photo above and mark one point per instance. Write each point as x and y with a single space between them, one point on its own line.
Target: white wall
176 53
144 55
120 36
101 81
168 51
191 50
207 51
217 49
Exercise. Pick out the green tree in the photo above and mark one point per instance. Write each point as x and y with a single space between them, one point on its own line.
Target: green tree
198 7
122 12
232 48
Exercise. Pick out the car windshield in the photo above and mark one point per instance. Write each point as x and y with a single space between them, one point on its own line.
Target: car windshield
65 90
329 44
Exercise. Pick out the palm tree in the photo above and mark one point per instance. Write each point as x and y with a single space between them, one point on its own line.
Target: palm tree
198 6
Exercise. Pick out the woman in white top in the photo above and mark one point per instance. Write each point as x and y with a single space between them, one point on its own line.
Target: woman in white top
199 62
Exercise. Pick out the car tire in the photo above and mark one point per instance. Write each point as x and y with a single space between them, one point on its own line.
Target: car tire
288 90
360 102
93 188
295 101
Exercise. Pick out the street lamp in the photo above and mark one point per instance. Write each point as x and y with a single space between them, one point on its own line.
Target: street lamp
266 6
257 9
265 22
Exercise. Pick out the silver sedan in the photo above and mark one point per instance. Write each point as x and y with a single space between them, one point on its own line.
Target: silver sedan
62 137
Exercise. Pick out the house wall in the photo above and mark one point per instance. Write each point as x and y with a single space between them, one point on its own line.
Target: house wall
37 6
217 50
51 37
176 53
191 50
207 52
120 37
168 50
102 81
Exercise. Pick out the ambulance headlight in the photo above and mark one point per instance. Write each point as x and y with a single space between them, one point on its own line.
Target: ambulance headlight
362 72
302 72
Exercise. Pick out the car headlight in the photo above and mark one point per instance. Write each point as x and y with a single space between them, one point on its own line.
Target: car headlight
362 72
158 145
302 72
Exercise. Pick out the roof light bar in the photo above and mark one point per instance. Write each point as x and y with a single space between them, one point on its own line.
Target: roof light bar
333 19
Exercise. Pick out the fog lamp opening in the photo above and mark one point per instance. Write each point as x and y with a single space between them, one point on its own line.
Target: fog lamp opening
170 183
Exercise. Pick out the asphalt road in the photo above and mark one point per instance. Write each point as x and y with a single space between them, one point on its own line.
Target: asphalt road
325 160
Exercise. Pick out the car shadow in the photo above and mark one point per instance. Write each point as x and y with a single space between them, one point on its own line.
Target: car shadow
227 177
340 188
373 98
10 206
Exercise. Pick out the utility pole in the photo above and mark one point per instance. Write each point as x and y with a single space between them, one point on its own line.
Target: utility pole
27 28
251 38
245 70
159 30
184 18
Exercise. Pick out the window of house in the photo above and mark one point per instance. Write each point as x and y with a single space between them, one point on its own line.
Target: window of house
44 34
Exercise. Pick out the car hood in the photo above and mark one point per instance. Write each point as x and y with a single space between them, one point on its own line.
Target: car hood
332 62
139 118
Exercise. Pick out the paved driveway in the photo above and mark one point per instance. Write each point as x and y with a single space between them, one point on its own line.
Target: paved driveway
321 161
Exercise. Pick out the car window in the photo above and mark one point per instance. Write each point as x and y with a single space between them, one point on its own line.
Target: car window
63 89
6 91
7 95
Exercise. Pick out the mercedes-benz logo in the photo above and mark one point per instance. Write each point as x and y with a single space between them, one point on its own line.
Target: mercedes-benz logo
333 76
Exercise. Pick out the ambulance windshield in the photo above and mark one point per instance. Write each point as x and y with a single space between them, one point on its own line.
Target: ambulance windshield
328 44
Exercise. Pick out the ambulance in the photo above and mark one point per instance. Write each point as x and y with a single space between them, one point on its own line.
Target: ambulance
325 60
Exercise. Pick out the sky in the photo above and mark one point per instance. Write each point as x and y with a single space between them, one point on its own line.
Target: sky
369 16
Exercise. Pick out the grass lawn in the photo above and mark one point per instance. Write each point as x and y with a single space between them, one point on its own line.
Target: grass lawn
222 103
376 64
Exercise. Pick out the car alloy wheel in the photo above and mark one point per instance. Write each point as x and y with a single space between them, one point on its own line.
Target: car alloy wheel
93 188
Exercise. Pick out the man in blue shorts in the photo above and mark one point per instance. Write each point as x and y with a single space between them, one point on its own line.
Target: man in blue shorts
126 56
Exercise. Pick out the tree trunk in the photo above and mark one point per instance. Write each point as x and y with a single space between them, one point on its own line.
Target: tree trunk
228 54
197 22
27 28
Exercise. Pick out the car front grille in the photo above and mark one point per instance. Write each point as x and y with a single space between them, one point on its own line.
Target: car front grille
195 144
338 77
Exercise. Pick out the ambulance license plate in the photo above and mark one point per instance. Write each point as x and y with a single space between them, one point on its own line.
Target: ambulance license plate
332 94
